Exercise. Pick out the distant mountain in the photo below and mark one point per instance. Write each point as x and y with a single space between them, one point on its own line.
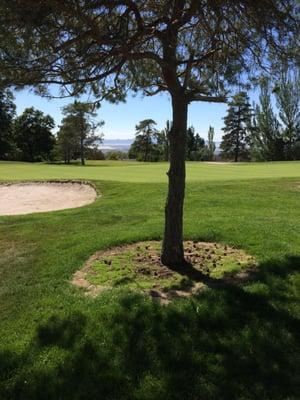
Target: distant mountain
124 145
115 144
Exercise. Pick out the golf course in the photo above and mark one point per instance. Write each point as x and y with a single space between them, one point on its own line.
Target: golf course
238 340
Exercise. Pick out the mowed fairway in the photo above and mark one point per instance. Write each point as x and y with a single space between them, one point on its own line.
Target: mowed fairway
235 342
147 172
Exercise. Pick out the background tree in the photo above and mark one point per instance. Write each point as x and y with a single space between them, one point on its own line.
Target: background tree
194 145
163 142
116 155
33 136
210 147
235 142
7 114
287 93
144 147
67 140
193 49
81 118
267 139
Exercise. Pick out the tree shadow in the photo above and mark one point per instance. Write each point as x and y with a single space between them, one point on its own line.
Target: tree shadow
230 342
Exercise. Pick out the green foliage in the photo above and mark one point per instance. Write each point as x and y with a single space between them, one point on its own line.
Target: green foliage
144 147
194 145
44 44
153 145
288 102
116 155
211 146
163 142
32 135
94 153
7 113
267 140
67 142
78 131
236 140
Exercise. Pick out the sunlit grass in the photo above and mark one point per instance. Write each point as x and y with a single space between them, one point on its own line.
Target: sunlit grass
235 342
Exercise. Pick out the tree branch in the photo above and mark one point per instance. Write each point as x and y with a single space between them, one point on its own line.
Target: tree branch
209 99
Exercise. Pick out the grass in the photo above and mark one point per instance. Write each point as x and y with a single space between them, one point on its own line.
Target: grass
138 266
147 172
232 342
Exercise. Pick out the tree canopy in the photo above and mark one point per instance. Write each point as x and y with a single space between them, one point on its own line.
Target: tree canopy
200 46
78 131
33 136
7 114
237 129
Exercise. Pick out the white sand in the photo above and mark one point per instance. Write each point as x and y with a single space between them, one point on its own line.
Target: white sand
27 198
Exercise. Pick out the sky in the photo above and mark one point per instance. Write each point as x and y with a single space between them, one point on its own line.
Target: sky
120 119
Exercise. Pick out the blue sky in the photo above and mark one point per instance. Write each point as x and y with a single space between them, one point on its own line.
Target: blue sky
120 119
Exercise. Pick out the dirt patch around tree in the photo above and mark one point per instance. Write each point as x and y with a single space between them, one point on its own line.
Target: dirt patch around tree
33 197
138 267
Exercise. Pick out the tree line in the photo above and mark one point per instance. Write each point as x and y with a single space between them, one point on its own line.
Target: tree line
29 137
251 132
256 132
151 144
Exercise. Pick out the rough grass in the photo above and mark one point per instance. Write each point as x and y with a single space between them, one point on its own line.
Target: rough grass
138 266
232 342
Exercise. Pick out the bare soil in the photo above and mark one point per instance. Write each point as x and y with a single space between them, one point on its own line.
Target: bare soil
34 197
135 265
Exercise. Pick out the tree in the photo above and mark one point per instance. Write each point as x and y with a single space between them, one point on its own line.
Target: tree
287 94
144 147
115 155
235 142
192 49
267 139
163 142
7 114
80 119
33 136
208 151
211 146
67 140
194 145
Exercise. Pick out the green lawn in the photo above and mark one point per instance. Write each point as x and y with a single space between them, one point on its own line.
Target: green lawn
235 342
147 172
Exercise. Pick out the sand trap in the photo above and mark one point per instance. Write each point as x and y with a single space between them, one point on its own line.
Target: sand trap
33 197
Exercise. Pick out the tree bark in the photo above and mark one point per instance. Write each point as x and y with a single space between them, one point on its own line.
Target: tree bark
82 151
172 250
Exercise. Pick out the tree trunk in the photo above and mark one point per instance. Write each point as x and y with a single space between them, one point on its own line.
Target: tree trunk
172 251
82 151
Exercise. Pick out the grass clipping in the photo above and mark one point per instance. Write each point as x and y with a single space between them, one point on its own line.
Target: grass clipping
138 267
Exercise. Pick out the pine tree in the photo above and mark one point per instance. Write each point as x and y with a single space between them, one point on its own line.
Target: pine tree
267 139
163 142
194 145
235 142
211 146
81 116
287 95
144 146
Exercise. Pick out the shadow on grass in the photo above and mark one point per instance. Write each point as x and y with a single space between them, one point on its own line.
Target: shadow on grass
230 342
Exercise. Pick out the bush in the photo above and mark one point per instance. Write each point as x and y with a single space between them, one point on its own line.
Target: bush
116 155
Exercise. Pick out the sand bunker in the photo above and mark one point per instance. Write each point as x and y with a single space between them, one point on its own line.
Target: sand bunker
33 197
